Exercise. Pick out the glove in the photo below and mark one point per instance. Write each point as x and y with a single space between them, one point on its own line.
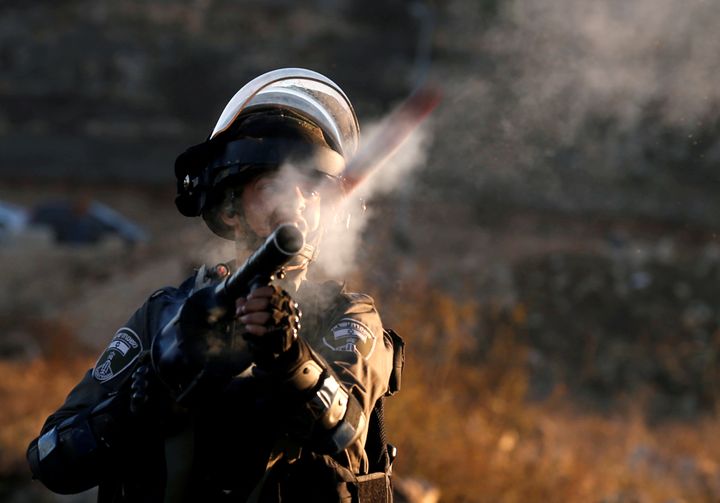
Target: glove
271 322
150 403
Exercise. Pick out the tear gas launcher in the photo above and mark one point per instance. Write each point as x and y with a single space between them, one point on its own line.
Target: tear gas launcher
206 344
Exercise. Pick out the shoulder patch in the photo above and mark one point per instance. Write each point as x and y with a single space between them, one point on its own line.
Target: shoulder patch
352 336
122 351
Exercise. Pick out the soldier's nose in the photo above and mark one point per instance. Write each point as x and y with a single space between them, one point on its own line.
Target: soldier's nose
299 198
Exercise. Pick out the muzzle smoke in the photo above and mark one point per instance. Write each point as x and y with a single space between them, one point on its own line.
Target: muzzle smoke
343 223
343 235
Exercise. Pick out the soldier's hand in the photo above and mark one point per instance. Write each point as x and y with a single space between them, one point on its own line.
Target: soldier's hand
149 400
271 321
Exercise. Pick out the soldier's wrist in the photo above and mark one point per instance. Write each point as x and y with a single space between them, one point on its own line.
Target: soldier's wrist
281 365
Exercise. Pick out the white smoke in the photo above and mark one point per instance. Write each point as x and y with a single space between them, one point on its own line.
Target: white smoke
614 56
342 239
344 223
396 171
566 99
215 251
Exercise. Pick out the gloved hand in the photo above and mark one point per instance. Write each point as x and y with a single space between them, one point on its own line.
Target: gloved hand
271 322
150 402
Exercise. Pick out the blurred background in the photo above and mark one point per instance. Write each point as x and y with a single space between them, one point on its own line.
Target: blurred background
550 256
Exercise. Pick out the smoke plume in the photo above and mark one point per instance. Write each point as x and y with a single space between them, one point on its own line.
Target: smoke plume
613 56
342 239
581 105
344 222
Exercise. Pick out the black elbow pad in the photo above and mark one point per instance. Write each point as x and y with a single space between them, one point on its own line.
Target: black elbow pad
64 457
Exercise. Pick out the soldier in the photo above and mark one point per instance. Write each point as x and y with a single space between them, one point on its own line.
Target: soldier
285 402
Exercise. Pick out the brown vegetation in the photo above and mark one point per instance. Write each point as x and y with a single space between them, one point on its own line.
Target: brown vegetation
29 392
463 421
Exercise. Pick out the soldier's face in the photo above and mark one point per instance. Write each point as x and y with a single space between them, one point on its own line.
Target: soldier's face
273 199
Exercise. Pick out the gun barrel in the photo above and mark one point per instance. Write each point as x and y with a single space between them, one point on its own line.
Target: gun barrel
278 249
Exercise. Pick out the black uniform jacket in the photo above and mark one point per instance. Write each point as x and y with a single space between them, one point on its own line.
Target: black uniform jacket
219 451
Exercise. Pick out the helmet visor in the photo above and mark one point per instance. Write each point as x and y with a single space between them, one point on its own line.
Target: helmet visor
304 92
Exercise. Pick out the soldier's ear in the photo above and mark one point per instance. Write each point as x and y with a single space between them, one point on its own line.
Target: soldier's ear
229 216
228 213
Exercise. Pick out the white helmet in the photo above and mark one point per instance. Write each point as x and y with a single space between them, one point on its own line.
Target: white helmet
307 93
300 112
